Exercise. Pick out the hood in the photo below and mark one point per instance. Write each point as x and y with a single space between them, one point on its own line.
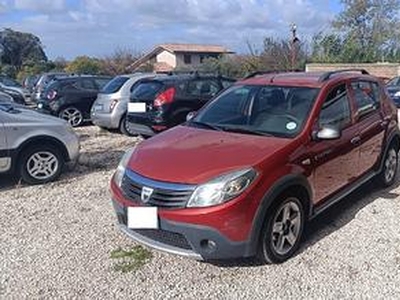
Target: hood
30 116
191 155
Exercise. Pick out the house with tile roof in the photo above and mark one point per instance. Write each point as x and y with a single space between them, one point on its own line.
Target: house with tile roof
168 57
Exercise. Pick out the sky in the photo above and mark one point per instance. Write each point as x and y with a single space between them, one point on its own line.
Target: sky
69 28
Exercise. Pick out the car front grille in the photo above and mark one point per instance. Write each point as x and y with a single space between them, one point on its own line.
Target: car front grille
165 237
163 194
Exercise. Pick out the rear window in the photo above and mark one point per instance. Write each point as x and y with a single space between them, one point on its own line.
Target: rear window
114 85
146 90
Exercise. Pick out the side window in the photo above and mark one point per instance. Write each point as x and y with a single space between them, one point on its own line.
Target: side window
202 88
226 83
88 84
336 109
101 82
366 97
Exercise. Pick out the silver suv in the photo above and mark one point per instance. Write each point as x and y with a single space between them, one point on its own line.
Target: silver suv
109 109
34 146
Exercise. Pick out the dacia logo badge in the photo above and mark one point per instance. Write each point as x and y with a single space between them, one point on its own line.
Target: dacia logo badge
146 194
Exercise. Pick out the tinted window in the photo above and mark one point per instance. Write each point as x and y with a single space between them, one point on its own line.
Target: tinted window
227 83
146 90
365 97
114 85
101 82
267 110
336 109
88 84
202 87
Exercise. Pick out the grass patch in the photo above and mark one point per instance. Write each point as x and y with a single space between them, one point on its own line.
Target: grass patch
130 260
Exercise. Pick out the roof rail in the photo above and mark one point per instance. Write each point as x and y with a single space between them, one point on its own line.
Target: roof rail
257 73
328 75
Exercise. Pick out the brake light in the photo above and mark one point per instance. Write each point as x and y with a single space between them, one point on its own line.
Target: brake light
113 104
165 97
51 94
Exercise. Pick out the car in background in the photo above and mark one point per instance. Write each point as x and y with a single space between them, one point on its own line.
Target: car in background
35 147
393 88
110 108
243 176
14 89
43 81
29 82
157 104
5 98
71 98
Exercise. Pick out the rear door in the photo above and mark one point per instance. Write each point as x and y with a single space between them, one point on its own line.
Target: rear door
88 93
369 120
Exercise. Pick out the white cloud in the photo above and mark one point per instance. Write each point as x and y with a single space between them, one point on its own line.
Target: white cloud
42 6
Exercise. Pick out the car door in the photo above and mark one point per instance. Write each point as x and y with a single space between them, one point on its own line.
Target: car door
88 94
370 123
334 160
4 151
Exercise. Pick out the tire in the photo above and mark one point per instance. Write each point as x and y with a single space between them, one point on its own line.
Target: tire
72 115
40 164
388 174
124 127
280 239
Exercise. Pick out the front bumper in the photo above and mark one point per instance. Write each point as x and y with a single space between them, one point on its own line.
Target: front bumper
189 240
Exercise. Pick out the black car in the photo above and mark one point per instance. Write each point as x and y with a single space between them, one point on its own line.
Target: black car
393 87
71 98
159 103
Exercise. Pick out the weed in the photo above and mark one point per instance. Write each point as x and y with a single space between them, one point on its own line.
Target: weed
130 260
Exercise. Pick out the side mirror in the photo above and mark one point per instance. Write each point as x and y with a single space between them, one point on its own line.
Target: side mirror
328 132
191 115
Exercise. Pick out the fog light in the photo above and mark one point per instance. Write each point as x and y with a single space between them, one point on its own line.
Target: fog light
208 245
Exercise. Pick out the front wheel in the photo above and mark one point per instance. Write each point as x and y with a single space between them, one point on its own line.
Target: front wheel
124 127
282 231
40 164
389 171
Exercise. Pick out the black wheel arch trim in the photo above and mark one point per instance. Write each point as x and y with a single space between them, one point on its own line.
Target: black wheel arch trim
280 186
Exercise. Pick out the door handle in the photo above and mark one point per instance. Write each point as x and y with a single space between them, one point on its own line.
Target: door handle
355 140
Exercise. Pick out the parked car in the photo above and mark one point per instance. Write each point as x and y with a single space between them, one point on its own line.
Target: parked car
14 89
72 97
157 104
393 87
43 81
110 108
29 82
244 175
5 98
33 146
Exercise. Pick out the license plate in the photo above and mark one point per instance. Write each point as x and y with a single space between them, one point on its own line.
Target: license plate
137 107
142 217
40 105
98 107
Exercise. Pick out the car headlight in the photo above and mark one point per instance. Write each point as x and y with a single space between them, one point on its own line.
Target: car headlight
222 188
120 172
397 94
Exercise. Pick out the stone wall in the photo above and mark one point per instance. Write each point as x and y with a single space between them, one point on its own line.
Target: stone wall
385 70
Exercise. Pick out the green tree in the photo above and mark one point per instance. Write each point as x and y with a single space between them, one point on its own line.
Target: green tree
369 29
84 65
19 48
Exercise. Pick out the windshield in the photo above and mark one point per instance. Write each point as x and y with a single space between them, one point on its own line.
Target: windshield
114 85
393 82
262 110
146 90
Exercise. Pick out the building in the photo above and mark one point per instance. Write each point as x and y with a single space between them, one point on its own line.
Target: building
168 57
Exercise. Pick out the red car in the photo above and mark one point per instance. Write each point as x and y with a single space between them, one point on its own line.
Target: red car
245 174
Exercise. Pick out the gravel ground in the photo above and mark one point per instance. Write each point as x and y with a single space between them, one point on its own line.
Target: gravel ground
56 241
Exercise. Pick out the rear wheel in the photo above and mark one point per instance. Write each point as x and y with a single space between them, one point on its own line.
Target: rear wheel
389 171
282 231
72 115
125 128
40 164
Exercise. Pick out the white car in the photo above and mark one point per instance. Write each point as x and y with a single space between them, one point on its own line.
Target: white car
33 146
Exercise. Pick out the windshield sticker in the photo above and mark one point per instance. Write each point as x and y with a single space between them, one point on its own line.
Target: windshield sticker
291 126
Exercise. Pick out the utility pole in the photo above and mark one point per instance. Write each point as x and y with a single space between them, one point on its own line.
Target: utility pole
293 43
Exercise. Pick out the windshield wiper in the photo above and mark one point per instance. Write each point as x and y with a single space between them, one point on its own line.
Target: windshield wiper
207 125
238 129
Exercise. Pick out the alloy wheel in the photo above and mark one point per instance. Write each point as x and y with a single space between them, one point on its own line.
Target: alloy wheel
72 115
390 165
42 165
